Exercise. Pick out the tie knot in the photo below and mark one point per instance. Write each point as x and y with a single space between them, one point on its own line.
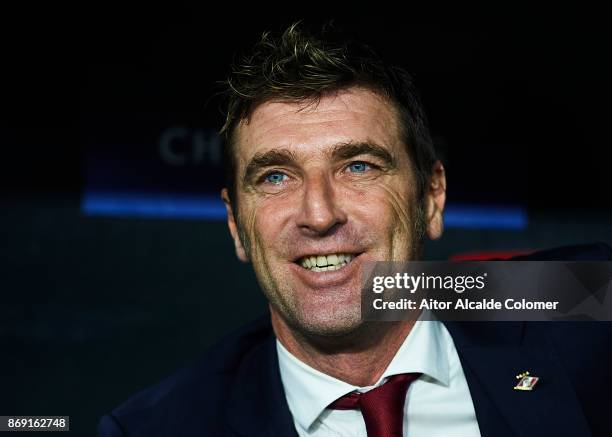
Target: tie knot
382 407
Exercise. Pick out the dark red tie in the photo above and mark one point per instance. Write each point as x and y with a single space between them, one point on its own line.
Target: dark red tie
382 407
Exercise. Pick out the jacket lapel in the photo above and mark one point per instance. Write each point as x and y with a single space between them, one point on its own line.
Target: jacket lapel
257 405
492 354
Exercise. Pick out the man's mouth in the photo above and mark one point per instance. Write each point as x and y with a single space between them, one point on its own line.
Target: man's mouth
326 262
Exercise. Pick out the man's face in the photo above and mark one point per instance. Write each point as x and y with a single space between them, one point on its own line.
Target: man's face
320 190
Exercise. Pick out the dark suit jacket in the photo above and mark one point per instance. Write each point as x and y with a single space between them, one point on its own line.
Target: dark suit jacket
235 388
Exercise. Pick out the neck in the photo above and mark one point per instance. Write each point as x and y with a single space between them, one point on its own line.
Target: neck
358 358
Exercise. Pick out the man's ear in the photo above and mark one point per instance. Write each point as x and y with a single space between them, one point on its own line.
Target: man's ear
435 198
233 227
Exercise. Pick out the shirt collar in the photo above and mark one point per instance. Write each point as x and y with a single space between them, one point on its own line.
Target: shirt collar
310 391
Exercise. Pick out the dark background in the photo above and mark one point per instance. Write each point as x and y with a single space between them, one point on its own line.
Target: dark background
94 308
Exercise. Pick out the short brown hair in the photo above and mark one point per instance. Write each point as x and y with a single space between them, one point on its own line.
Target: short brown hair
299 66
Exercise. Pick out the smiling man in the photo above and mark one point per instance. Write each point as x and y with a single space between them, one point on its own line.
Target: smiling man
329 165
322 187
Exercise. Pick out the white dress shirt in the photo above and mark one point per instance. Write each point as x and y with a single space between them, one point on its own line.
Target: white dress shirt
438 404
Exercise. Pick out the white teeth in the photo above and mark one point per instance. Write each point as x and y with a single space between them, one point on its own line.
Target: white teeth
324 263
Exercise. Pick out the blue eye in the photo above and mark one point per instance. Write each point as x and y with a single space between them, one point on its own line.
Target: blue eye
358 167
275 177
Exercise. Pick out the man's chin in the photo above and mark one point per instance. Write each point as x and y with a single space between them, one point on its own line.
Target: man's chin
325 312
327 325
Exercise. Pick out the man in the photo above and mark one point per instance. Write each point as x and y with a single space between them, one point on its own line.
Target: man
330 164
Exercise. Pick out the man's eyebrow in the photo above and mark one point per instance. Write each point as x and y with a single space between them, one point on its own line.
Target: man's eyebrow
268 159
350 150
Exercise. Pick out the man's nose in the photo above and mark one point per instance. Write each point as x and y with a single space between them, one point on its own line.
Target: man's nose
320 210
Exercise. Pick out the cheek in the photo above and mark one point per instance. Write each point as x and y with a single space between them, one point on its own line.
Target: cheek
384 206
399 204
267 219
387 217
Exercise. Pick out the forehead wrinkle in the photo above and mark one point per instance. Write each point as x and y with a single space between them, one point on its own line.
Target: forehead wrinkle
275 125
301 129
356 101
